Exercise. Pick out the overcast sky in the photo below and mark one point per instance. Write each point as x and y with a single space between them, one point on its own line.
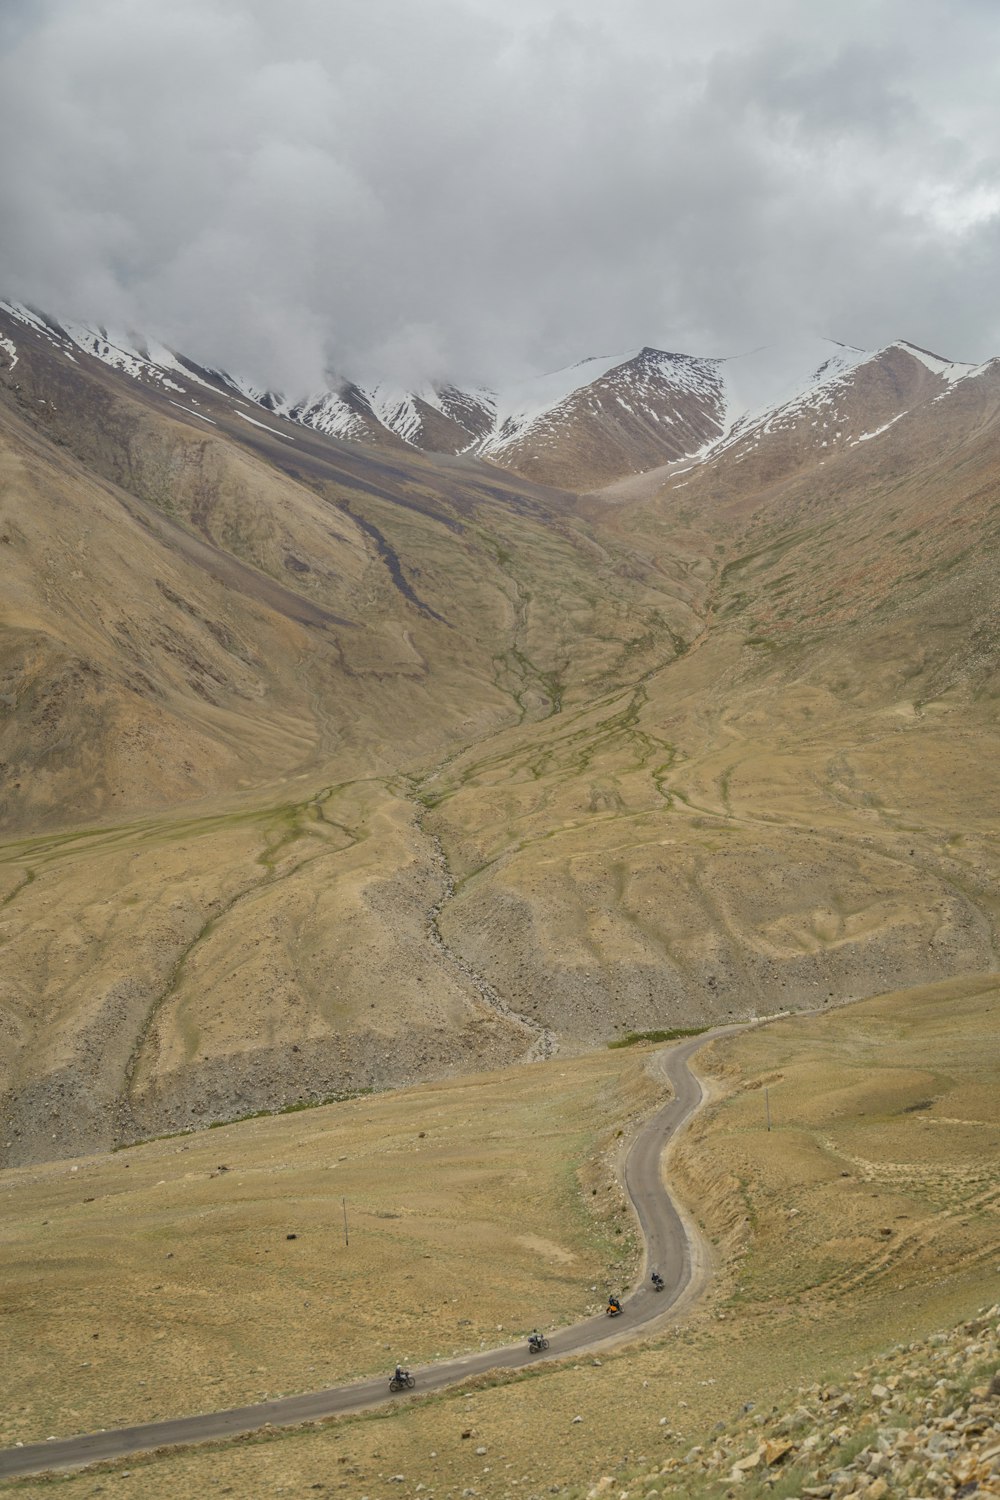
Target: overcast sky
484 188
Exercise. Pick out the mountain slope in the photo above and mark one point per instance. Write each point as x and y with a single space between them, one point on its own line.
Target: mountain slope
330 765
590 424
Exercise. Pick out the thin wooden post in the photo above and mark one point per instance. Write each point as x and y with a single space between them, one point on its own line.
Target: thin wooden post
346 1240
767 1106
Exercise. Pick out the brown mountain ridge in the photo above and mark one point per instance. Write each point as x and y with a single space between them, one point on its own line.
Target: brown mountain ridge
330 765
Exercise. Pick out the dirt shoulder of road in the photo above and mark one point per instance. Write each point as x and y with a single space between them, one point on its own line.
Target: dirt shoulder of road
884 1117
211 1270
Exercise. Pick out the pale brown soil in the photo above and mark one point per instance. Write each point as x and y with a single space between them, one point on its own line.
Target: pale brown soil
921 1419
324 769
807 1287
212 1268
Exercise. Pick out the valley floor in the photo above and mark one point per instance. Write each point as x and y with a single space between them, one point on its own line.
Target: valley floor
866 1216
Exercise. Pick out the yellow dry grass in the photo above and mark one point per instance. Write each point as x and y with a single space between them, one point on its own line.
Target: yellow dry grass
708 749
211 1269
807 1284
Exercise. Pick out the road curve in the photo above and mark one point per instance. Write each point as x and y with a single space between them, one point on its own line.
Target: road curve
669 1248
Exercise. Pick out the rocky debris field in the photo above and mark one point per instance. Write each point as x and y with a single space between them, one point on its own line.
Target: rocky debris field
923 1421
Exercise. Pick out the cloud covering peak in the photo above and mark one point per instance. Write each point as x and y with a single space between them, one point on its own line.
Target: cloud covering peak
472 189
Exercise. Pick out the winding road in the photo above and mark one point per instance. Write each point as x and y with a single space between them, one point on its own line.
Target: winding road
671 1246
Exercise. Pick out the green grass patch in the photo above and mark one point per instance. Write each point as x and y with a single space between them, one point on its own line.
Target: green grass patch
672 1034
255 1114
294 1108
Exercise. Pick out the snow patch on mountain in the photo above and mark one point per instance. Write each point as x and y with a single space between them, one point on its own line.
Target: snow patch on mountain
773 389
191 411
286 437
396 408
516 409
642 384
139 358
866 437
700 406
258 394
327 412
25 315
36 322
767 379
118 351
948 369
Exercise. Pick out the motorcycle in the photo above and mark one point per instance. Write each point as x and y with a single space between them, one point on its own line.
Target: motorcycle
537 1343
614 1308
657 1281
404 1381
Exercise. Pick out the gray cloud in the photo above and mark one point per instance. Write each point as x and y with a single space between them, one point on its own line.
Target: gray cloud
474 189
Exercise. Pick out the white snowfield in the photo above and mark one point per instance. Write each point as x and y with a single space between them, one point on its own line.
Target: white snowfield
744 396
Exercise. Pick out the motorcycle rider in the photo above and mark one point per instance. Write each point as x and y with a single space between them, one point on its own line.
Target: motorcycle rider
657 1281
400 1375
614 1306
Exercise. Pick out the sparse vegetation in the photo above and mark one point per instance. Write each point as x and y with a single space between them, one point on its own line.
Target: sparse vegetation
692 1401
671 1034
326 772
294 1108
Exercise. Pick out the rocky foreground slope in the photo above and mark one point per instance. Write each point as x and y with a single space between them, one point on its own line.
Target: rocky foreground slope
924 1421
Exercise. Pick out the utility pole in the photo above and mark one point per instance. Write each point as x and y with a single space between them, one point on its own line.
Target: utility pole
344 1201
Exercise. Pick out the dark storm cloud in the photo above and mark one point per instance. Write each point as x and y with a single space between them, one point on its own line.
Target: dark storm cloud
473 188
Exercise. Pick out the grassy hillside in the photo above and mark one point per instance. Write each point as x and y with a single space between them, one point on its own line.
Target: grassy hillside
866 1217
326 768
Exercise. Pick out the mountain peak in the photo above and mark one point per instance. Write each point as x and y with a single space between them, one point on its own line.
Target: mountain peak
585 424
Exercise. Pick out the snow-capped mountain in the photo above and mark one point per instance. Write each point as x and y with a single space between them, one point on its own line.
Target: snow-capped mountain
584 426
